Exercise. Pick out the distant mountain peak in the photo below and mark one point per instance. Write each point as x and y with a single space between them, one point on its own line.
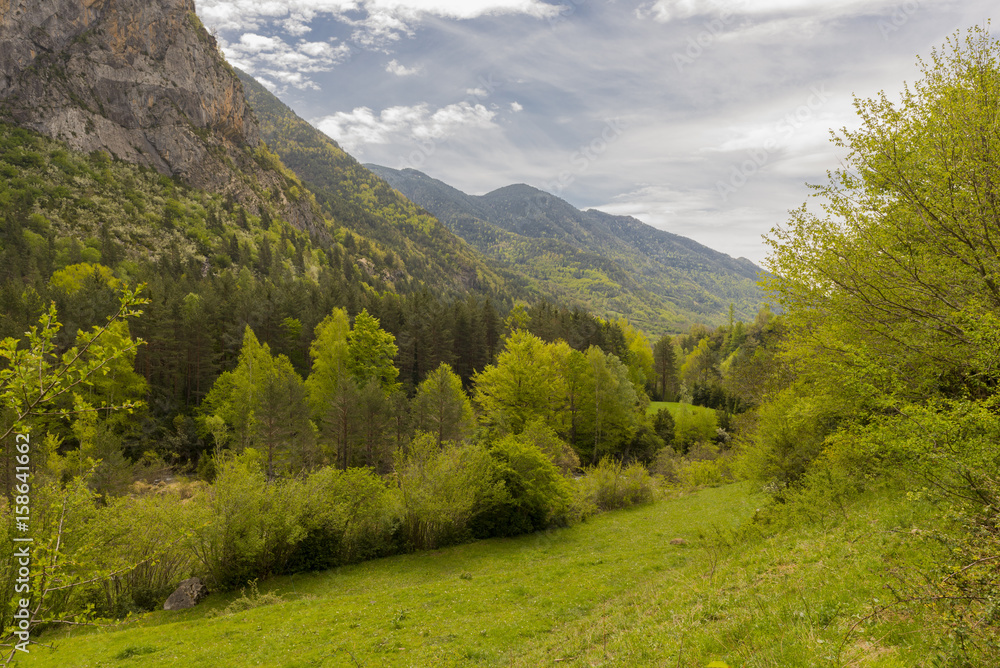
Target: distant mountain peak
613 265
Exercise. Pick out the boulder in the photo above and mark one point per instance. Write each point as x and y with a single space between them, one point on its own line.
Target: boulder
187 595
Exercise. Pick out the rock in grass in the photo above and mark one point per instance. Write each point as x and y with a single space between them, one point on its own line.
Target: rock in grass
678 541
187 595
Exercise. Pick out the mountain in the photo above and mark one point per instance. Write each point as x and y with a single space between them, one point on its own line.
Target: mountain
356 198
611 264
145 82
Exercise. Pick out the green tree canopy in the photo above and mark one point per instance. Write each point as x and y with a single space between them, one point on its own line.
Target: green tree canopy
370 353
264 401
441 406
886 287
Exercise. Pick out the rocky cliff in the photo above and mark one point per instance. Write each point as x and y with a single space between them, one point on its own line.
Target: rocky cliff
142 80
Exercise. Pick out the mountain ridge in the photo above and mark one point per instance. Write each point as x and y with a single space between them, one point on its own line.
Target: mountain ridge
676 280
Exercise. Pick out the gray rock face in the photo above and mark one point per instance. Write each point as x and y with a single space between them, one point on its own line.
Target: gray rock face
141 79
187 594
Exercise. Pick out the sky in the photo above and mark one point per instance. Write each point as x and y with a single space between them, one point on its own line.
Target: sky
705 118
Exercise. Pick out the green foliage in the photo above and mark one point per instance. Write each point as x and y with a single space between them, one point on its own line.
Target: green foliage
693 426
881 287
441 406
538 496
520 387
892 308
442 489
663 425
244 528
588 397
263 400
351 388
144 533
666 383
348 516
36 376
370 353
559 452
608 485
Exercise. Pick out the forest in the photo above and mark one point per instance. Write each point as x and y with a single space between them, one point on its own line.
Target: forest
203 361
212 391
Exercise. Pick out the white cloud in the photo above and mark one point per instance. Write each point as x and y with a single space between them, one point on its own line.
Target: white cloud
463 9
354 129
516 107
251 14
383 21
669 10
288 63
394 67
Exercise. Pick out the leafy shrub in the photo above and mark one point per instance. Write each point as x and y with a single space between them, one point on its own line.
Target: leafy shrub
537 495
692 425
442 488
608 485
704 472
348 516
144 531
667 465
243 527
791 430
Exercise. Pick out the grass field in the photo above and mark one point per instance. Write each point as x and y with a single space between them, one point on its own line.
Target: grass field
613 591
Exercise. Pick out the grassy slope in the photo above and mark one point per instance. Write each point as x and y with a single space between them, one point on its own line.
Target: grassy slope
582 596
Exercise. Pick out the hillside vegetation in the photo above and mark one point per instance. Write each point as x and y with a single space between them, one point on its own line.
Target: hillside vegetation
613 265
615 591
361 201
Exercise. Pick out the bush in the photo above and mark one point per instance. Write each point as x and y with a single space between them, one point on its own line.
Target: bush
790 432
348 516
442 489
704 472
143 531
243 527
609 486
536 494
693 424
667 465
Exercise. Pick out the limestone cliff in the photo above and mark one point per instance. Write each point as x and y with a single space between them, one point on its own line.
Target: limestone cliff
141 79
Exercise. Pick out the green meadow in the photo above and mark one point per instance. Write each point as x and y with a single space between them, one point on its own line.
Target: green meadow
672 583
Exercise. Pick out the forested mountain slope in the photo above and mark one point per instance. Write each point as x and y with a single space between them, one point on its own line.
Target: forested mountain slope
356 198
611 264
